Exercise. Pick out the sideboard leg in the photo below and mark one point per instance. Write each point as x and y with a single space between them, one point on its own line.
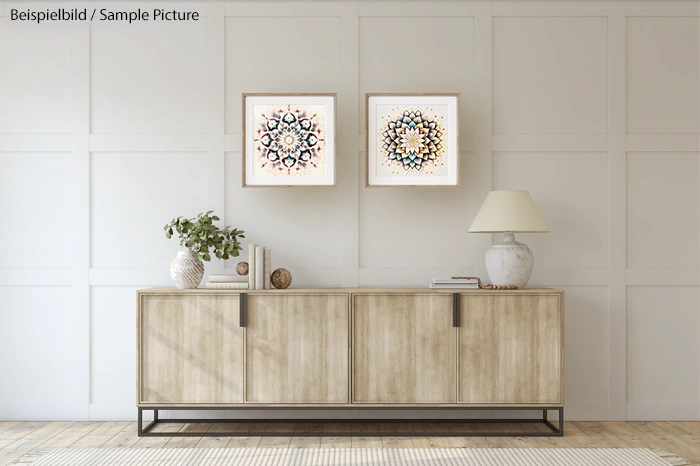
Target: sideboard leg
144 431
140 422
557 430
561 421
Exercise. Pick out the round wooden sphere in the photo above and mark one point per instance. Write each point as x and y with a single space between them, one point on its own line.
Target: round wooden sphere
242 268
281 279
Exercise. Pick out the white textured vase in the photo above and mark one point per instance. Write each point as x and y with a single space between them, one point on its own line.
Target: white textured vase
509 262
187 270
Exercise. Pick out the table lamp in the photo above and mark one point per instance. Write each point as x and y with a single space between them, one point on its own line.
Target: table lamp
509 212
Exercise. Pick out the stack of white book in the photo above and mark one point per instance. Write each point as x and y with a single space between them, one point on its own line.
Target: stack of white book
259 268
228 282
454 283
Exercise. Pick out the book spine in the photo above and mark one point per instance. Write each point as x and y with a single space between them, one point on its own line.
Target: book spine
227 286
268 271
454 280
455 286
251 266
259 268
232 279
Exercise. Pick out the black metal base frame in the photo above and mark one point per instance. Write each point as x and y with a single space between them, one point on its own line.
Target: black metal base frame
554 431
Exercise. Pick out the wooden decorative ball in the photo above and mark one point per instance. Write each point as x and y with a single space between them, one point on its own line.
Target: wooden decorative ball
242 268
281 279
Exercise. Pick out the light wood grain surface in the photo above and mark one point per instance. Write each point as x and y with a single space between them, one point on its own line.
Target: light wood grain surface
403 349
297 349
511 349
190 349
374 347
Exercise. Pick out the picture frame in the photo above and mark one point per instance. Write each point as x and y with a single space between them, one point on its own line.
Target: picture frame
289 140
422 153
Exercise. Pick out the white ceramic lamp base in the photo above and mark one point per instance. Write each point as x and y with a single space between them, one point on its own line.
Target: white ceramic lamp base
509 262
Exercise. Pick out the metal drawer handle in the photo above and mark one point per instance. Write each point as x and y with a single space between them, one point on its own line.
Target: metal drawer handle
243 309
456 314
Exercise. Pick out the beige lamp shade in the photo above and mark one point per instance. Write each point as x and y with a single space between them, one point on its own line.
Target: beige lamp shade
513 211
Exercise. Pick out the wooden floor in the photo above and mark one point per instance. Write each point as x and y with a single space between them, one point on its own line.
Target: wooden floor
20 438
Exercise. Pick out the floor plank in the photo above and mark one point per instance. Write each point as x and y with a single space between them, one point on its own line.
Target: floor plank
367 442
657 436
124 439
334 441
247 442
5 425
397 442
101 435
304 441
32 440
72 434
243 442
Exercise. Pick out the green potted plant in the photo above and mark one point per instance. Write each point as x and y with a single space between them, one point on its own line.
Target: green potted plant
200 238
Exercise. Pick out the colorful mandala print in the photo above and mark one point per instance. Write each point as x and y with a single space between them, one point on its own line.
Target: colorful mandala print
413 141
290 140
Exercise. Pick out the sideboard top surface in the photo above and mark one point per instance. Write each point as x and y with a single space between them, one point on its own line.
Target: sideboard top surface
365 290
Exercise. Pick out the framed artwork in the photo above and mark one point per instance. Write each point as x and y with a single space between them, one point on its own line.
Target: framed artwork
289 140
412 140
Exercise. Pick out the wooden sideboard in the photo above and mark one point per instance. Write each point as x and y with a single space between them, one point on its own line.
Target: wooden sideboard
350 348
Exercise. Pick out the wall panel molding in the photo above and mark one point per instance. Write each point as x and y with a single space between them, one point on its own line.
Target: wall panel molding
209 157
36 143
32 276
216 114
148 142
437 8
483 121
550 143
662 8
617 206
348 172
569 276
546 8
79 324
282 8
663 142
663 276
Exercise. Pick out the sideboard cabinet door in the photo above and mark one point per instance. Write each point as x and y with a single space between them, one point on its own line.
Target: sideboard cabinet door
190 349
511 349
403 349
297 348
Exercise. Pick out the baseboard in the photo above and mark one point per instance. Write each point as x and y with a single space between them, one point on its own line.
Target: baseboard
38 412
581 411
115 412
663 411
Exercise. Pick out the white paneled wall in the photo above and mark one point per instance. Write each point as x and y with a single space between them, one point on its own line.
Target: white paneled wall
107 133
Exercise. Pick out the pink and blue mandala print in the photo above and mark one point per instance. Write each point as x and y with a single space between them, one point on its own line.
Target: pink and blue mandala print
412 141
289 140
